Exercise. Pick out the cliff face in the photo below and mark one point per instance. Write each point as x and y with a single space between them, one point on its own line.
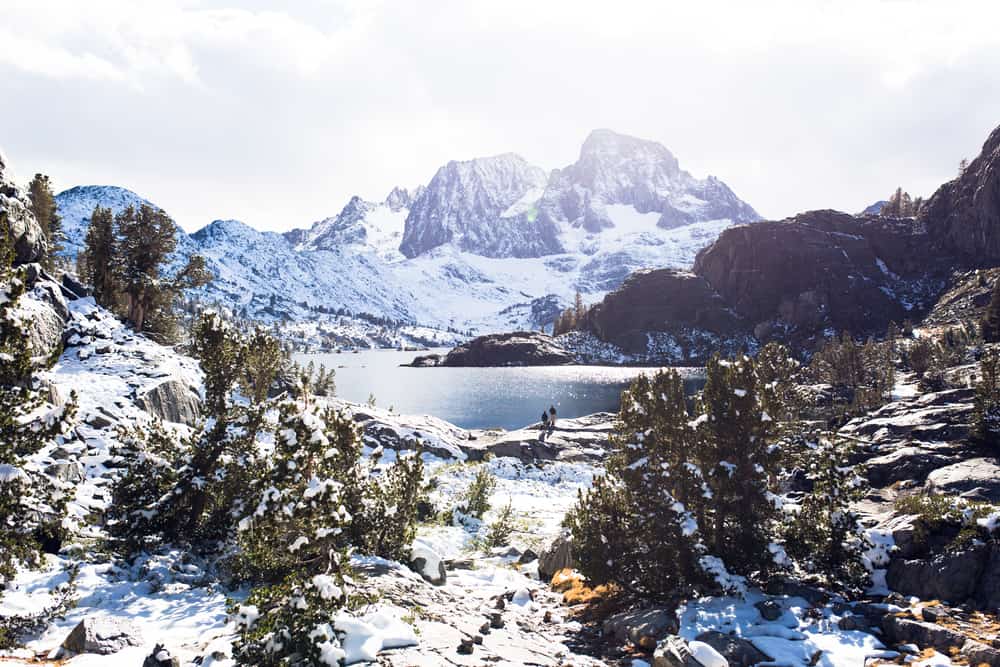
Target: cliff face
964 214
821 272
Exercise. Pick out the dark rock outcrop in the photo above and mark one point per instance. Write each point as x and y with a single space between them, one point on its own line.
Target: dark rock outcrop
642 627
558 555
822 271
519 348
951 576
963 216
670 301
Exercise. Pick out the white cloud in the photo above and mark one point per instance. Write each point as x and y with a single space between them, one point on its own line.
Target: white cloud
276 113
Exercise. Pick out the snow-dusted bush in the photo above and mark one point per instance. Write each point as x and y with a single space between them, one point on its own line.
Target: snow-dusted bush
476 501
685 502
315 501
822 534
195 484
502 527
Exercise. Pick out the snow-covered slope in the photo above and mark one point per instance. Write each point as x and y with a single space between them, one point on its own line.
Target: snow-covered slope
490 244
77 204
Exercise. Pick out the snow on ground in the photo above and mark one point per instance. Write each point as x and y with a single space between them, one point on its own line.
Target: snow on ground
793 639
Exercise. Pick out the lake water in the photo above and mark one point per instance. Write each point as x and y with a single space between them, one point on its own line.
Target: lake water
507 397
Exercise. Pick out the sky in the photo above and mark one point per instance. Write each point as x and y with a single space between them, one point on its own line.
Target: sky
276 113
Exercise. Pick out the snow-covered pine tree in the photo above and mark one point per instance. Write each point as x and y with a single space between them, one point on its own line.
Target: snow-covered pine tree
205 475
294 541
824 536
777 374
27 423
316 501
638 525
739 464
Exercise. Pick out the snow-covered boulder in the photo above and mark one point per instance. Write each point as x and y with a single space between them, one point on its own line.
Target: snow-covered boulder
674 652
427 563
103 635
161 657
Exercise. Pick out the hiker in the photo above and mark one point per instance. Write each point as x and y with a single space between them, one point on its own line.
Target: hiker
545 426
552 418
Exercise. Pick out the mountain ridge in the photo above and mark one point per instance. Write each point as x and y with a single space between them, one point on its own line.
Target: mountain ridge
472 250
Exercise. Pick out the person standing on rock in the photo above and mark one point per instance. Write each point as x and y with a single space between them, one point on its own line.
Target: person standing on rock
545 426
552 418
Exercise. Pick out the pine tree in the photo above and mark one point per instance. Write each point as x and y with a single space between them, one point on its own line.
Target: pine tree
963 165
182 504
146 238
824 536
986 414
734 440
45 210
26 425
990 323
316 499
98 259
262 361
638 524
777 373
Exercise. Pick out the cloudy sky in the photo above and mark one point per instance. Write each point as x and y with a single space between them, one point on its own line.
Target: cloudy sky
276 116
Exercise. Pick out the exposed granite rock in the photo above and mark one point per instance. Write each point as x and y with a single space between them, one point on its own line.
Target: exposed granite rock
172 401
102 635
558 555
29 238
579 439
674 652
642 627
737 651
822 271
519 348
977 478
953 575
903 630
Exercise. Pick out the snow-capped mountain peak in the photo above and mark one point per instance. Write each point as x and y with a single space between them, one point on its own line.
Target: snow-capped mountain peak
489 244
464 205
